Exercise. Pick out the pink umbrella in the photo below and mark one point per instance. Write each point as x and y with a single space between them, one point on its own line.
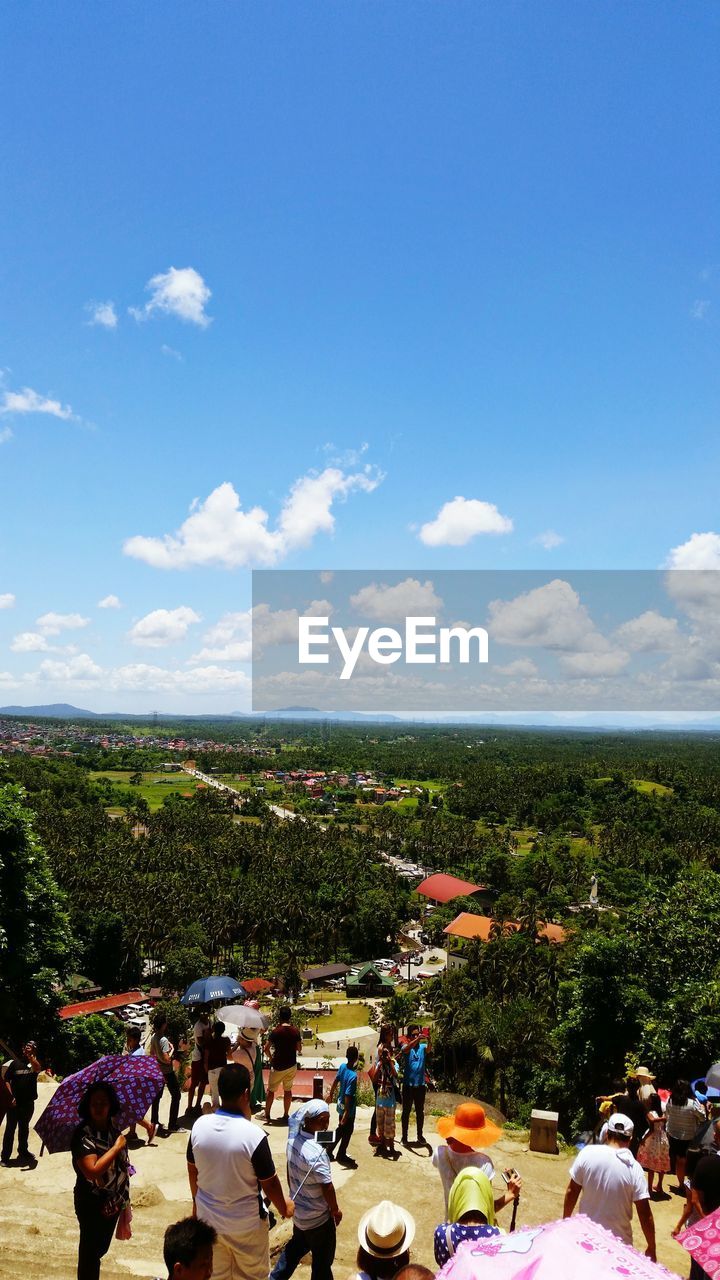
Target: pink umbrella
703 1243
572 1249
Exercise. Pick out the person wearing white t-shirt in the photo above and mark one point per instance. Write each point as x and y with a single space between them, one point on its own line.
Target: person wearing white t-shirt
229 1164
611 1181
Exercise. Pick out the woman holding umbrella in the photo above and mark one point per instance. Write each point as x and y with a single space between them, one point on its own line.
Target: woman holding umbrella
102 1190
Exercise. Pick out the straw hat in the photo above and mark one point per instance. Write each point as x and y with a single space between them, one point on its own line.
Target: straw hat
386 1230
644 1073
470 1126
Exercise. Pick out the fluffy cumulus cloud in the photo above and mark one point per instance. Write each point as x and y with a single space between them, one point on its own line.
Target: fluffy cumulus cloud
179 292
462 519
650 632
51 624
230 640
551 616
163 627
30 642
693 583
701 551
109 602
218 532
410 598
7 600
29 401
102 314
233 637
80 670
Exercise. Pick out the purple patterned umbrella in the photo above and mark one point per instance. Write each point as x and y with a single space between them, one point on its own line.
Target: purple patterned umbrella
136 1081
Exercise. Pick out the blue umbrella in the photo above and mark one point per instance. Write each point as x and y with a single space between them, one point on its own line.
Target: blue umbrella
216 988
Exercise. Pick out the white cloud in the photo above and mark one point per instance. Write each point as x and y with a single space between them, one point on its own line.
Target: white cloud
219 532
102 314
308 508
163 627
170 351
326 576
701 551
7 600
595 664
142 676
550 616
29 401
230 640
462 519
700 309
109 602
78 670
549 540
648 633
51 624
233 636
30 642
405 599
180 292
5 434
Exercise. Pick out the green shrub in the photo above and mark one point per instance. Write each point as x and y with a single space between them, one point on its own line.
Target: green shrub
83 1040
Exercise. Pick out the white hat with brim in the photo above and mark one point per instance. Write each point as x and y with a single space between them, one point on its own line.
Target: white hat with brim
643 1073
386 1230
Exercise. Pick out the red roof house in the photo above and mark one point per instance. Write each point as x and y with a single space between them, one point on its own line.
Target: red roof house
442 888
467 925
104 1005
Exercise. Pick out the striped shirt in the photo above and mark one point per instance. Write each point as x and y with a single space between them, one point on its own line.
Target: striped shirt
306 1156
683 1122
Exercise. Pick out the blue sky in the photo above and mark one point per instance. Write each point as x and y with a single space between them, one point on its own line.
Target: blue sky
428 251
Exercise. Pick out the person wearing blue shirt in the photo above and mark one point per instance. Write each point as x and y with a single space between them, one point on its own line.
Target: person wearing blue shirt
345 1083
414 1053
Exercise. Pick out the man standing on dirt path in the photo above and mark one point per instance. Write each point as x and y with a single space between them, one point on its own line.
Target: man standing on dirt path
611 1181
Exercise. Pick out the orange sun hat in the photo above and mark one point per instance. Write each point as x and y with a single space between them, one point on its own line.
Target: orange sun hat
470 1126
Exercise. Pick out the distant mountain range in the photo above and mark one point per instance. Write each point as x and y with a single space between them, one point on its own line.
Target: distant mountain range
65 711
531 720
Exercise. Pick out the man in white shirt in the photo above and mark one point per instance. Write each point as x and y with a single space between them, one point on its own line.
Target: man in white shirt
229 1162
611 1181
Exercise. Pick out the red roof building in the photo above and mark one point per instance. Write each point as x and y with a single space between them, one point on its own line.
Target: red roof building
104 1005
467 925
442 888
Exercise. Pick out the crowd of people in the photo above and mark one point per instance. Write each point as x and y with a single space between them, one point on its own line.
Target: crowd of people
643 1134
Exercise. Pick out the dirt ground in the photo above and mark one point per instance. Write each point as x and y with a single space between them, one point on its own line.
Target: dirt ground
38 1230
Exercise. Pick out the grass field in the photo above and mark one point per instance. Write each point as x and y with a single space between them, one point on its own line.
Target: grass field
153 788
651 788
356 1014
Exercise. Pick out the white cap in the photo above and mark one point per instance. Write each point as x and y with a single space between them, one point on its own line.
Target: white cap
621 1125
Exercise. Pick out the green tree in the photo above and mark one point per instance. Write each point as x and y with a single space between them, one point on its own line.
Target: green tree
81 1041
183 965
36 948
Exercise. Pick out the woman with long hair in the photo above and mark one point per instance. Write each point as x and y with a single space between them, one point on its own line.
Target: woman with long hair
387 1036
102 1185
